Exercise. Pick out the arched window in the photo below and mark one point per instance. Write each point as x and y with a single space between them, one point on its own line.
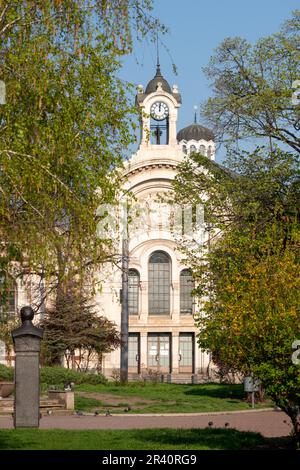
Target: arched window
184 149
133 291
209 151
186 288
159 283
193 149
202 150
8 296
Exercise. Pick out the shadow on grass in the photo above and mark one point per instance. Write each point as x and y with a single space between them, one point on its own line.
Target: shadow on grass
211 439
217 391
9 441
146 439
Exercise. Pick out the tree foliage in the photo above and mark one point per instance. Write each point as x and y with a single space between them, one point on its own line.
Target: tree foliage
5 336
248 273
248 268
74 330
65 128
252 87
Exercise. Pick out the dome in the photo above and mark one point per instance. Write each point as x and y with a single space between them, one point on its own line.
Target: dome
152 85
195 132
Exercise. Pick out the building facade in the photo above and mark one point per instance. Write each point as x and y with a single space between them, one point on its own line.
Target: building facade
162 334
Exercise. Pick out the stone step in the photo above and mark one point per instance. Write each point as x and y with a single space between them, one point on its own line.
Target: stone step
51 405
56 412
6 401
43 411
7 406
45 401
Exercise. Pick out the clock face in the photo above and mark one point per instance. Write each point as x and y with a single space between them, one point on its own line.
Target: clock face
159 111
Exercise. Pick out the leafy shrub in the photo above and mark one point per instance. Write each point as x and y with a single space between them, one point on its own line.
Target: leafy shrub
116 376
153 375
56 376
59 375
6 373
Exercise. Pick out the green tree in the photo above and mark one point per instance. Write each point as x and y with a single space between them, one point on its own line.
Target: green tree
252 88
248 272
248 268
73 330
5 336
65 128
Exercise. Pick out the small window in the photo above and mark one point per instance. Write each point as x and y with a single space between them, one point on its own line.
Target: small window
184 149
186 287
193 149
8 296
209 151
202 150
133 291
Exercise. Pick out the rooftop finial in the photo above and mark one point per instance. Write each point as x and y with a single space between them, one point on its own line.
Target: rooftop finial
195 116
158 72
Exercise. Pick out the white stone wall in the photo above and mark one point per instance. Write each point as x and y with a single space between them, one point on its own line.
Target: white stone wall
206 148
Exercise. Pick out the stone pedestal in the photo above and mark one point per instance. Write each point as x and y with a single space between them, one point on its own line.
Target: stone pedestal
65 397
27 341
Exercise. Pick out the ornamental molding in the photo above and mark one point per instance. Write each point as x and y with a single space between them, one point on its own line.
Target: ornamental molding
150 166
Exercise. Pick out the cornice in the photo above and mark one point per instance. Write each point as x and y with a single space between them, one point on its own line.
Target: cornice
149 165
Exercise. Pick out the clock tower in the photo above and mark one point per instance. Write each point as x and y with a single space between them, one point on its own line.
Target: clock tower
158 105
162 336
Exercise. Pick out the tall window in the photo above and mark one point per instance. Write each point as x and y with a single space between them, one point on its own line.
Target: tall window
133 291
7 297
159 283
209 151
186 288
193 149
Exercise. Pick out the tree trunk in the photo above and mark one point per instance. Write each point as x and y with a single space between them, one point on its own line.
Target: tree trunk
293 413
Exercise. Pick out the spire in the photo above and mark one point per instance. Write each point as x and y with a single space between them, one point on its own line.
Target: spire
158 72
195 115
158 78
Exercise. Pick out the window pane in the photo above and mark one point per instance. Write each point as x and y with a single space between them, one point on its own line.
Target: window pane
133 349
186 349
186 288
159 284
159 350
133 292
202 150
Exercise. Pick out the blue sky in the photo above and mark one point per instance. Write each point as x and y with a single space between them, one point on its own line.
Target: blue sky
196 29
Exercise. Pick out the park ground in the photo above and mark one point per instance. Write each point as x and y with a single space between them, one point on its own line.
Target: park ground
261 429
141 398
156 417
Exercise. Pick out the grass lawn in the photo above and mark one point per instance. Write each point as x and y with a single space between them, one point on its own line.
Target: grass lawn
142 439
162 398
